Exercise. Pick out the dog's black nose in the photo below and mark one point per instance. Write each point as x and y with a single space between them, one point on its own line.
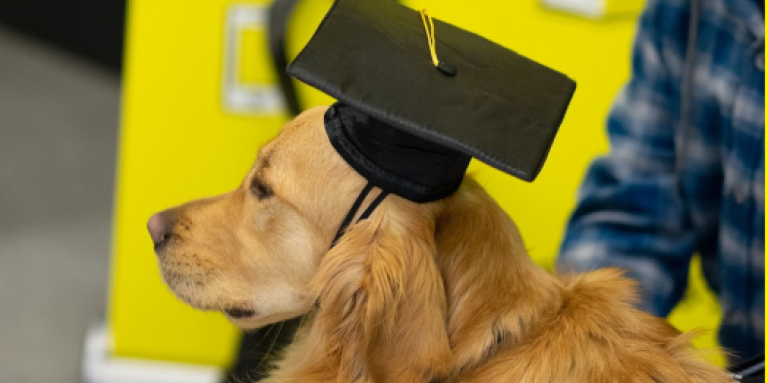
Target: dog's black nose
160 228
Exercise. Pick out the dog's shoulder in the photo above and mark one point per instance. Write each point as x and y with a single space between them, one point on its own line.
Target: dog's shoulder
600 308
599 335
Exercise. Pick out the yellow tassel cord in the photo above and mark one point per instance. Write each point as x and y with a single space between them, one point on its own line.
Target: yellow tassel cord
429 26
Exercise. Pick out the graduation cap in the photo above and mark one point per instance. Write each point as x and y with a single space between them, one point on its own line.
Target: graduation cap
418 98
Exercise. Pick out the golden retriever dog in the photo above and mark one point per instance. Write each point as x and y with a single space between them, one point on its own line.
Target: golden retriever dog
441 292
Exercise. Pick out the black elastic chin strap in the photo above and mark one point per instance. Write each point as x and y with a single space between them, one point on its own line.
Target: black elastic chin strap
355 207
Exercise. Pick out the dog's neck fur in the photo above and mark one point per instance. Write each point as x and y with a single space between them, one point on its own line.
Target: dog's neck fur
371 344
524 295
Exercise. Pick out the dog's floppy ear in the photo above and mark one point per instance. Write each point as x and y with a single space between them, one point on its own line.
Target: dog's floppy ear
382 299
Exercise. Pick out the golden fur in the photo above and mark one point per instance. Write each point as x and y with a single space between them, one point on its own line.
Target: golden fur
417 293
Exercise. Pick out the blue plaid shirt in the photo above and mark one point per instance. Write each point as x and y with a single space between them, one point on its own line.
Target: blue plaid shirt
686 169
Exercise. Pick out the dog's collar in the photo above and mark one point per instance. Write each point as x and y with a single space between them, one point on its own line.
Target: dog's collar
355 207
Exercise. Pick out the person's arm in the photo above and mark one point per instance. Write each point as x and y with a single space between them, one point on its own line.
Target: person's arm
630 214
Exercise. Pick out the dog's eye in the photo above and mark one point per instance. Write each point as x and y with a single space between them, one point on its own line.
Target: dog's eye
260 189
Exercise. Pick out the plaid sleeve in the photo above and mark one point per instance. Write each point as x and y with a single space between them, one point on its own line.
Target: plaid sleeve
629 213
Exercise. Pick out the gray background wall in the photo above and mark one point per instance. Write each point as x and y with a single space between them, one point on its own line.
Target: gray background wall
58 134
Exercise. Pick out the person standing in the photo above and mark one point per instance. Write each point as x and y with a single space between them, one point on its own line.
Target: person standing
685 173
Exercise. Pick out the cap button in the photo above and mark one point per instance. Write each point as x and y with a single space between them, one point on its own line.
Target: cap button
446 69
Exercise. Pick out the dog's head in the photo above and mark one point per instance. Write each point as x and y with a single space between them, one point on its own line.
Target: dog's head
260 254
251 252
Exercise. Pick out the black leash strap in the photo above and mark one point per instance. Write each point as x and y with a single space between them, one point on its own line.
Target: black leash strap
279 15
750 371
355 207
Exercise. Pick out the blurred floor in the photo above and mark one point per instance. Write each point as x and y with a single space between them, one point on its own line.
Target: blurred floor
58 134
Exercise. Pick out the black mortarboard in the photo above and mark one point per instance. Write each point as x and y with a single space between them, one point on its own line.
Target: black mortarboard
411 127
